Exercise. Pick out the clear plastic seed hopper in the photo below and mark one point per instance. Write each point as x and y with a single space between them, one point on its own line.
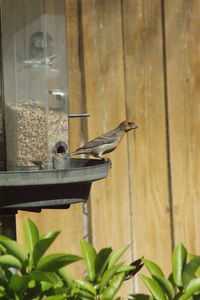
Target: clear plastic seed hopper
36 169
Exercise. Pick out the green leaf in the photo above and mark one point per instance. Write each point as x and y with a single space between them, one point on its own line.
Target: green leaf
15 283
42 245
108 275
31 234
7 273
87 286
140 297
101 261
39 276
166 286
153 287
8 260
46 286
153 268
115 255
53 262
56 297
66 276
50 277
178 262
171 279
125 269
50 235
191 256
85 295
114 286
2 292
14 248
19 283
190 270
192 288
55 279
89 255
197 273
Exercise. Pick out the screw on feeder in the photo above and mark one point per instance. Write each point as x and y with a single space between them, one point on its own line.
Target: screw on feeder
60 96
58 93
39 63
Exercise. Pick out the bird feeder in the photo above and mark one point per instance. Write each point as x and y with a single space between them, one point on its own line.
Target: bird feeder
36 169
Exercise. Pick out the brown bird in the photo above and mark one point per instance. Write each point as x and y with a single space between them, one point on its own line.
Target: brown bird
106 142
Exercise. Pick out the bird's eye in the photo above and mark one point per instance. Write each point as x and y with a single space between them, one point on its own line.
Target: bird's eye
129 123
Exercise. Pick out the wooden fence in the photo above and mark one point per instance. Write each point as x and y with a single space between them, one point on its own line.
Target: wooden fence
135 59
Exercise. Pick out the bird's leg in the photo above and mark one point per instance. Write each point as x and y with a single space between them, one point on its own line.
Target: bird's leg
98 155
108 160
103 158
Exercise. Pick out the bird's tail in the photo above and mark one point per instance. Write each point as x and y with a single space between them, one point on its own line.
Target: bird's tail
76 152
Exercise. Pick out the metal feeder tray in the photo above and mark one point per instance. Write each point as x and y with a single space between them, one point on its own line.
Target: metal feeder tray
36 189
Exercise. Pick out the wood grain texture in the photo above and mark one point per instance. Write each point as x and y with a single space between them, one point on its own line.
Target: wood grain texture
78 126
69 222
183 73
147 147
116 71
105 98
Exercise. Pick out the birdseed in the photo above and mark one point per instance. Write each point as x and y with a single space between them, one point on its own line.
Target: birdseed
32 133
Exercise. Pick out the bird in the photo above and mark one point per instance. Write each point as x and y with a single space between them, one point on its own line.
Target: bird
106 142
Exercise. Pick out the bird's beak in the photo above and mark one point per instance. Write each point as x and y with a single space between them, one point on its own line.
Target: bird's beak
134 126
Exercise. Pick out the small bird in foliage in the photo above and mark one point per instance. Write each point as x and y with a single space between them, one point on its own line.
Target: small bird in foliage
107 142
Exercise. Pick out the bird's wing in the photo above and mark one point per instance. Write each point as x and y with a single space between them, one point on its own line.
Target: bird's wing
106 138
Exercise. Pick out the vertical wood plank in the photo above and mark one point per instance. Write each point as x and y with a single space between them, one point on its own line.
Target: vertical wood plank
69 222
147 148
183 73
78 128
105 96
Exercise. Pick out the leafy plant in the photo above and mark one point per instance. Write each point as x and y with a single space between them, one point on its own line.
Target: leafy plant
105 274
27 275
182 284
31 275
